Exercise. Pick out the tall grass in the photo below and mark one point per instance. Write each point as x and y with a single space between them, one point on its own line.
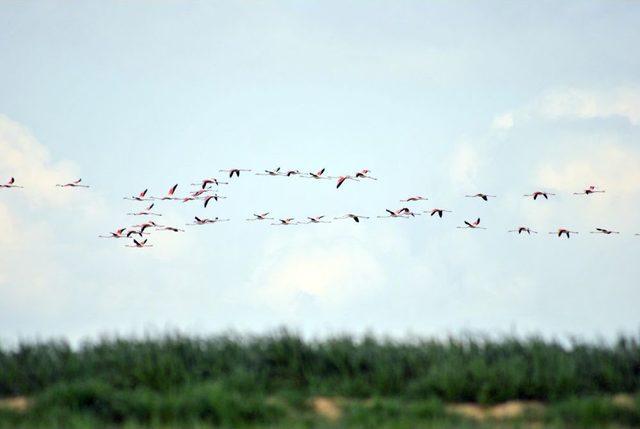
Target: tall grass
458 369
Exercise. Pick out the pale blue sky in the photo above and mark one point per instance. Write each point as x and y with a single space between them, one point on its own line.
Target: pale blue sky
437 98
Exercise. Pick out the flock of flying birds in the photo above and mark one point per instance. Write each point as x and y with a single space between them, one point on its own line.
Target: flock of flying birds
206 190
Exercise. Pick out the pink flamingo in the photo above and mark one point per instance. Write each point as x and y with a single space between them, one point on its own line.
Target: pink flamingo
206 182
145 212
317 219
205 221
537 194
564 231
412 199
170 228
233 171
319 175
364 174
343 179
604 231
214 197
438 212
479 195
275 172
522 229
261 216
119 233
140 244
285 222
10 184
590 190
355 217
139 197
74 184
472 225
170 194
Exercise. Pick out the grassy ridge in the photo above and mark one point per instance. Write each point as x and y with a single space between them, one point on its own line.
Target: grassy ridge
456 370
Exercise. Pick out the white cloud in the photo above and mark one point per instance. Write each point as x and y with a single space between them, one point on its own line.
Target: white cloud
464 165
574 103
503 122
317 269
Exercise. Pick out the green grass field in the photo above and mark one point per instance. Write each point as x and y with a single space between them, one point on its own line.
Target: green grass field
277 380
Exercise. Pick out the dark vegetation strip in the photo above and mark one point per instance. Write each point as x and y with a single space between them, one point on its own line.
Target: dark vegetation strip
455 370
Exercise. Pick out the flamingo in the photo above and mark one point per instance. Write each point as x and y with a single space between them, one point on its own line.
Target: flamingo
292 173
206 182
522 229
170 228
139 197
438 212
145 212
472 225
364 174
10 184
537 194
564 231
479 195
119 233
275 172
147 224
604 231
343 179
170 194
356 218
416 198
74 184
317 219
394 214
590 190
283 222
199 192
204 221
233 171
319 175
215 197
261 216
139 244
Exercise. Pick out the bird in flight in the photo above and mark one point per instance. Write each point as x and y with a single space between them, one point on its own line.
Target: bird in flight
416 198
74 184
170 194
275 172
537 194
233 171
564 231
283 222
11 183
590 190
139 244
319 175
317 219
139 197
356 218
522 229
214 197
438 212
260 216
472 225
604 231
343 179
483 196
169 228
364 174
119 233
210 181
205 221
145 212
